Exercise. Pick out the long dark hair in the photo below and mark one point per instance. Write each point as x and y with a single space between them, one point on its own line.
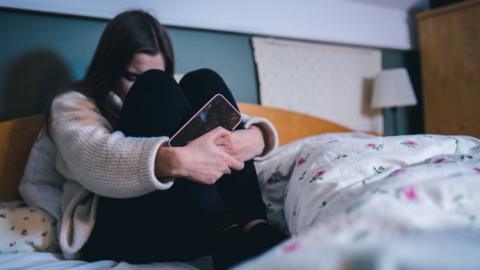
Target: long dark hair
130 32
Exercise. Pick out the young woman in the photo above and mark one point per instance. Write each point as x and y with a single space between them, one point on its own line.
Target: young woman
105 172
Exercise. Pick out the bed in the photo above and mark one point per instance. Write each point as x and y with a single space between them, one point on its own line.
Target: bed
349 200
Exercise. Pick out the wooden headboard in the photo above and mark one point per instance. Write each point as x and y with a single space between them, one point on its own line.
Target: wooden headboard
17 137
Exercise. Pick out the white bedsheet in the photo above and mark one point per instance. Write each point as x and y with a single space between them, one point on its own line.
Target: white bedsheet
51 261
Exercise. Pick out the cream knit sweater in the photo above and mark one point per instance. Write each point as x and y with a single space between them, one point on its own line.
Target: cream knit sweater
87 159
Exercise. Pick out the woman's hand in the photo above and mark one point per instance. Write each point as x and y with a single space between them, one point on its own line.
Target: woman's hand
201 160
243 144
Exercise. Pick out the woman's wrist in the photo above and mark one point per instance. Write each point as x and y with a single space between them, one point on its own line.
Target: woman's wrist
168 162
259 139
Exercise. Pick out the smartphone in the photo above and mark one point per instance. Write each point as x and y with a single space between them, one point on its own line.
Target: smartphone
218 111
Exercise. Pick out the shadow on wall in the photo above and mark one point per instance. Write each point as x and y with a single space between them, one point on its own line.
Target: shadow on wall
367 94
30 81
367 91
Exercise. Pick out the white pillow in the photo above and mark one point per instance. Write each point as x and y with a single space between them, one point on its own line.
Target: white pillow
24 229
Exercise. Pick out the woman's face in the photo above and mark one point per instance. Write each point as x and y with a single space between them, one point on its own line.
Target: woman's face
140 63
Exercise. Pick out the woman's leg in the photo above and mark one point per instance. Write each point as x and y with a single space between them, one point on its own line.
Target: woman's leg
174 224
240 190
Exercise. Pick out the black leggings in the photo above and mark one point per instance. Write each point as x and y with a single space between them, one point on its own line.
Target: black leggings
182 222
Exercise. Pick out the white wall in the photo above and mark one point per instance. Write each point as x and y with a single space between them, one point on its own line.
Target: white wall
336 21
327 81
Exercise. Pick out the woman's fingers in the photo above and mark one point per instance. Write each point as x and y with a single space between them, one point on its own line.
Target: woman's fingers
218 132
233 162
208 160
223 141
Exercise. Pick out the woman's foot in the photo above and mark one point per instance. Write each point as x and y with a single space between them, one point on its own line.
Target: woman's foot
235 244
252 223
262 236
230 248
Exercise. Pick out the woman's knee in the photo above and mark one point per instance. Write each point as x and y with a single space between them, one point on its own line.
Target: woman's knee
155 105
200 74
201 85
155 83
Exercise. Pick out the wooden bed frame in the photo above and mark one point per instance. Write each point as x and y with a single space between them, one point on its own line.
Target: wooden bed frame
17 137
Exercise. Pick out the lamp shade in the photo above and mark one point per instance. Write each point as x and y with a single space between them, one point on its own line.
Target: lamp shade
392 88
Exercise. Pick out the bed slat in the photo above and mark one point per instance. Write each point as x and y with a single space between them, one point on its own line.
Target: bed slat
292 125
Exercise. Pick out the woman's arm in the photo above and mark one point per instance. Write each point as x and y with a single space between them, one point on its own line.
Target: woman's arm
41 185
113 165
106 163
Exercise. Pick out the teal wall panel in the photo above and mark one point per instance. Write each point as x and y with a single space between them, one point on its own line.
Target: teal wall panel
40 52
409 119
228 54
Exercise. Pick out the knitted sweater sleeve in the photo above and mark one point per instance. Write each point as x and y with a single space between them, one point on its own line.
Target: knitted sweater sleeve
105 162
269 132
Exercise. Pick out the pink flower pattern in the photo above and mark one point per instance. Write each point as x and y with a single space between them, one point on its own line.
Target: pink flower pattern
374 146
410 193
318 176
300 161
290 246
477 169
319 173
409 143
397 171
438 160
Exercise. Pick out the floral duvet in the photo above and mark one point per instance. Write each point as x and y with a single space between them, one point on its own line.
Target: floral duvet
351 192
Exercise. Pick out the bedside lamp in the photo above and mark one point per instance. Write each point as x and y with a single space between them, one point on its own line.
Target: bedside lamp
392 89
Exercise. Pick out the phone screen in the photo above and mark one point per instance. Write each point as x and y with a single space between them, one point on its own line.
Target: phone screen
216 112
